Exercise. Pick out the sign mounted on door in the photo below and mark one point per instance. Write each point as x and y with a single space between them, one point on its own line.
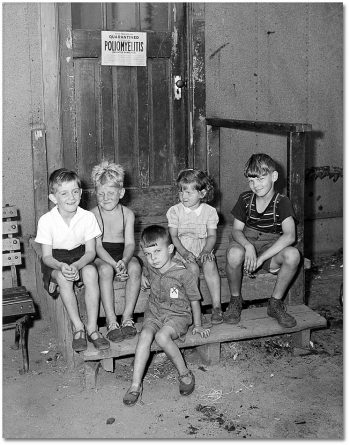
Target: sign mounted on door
123 48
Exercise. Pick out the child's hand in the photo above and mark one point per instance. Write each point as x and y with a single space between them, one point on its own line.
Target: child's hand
70 273
121 271
189 257
144 283
205 256
201 331
250 259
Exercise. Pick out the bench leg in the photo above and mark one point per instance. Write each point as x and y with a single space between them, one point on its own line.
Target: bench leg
302 339
90 374
210 353
21 336
108 364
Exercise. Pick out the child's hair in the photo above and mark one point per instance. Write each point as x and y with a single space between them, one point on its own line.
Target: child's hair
259 164
108 172
62 175
201 180
151 234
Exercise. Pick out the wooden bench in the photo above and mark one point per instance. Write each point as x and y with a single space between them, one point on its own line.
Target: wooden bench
254 323
17 304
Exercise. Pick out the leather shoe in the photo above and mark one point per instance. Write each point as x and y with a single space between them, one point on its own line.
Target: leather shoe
100 342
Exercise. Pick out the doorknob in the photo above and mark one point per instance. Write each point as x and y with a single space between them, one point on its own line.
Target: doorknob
178 84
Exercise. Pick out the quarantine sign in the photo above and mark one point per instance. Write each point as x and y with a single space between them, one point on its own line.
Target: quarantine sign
123 48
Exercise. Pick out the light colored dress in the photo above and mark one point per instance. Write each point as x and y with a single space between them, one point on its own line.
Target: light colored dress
192 225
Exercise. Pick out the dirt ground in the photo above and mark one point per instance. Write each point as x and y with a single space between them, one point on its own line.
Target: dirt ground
262 389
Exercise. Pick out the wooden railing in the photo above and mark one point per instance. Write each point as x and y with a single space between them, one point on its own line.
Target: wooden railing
296 134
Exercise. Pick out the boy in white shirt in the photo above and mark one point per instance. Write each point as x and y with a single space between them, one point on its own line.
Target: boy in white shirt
68 234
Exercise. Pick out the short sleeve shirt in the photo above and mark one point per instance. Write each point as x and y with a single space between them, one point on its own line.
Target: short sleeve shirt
53 230
192 225
264 222
172 291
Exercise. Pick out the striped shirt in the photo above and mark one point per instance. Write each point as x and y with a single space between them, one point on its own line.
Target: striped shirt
269 221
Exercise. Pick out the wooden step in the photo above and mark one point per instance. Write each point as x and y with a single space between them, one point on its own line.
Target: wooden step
254 323
258 288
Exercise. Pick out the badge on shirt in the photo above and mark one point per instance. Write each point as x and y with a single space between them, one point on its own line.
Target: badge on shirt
174 293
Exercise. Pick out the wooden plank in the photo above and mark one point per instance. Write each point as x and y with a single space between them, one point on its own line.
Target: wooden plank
296 146
197 85
264 127
106 115
9 212
179 107
51 84
10 244
68 85
87 81
40 172
213 161
254 323
161 156
9 227
143 126
87 44
11 259
126 133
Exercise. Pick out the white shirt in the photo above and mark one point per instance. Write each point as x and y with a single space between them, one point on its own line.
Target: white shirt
54 231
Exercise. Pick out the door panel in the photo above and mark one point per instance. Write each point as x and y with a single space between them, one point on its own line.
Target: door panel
126 114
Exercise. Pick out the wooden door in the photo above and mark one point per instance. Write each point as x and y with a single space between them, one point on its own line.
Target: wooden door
125 114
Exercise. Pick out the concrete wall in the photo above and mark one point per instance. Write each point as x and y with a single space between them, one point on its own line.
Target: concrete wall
22 109
280 62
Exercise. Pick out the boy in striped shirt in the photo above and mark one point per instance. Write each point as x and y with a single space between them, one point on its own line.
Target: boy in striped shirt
263 233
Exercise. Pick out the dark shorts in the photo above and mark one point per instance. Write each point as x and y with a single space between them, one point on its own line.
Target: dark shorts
157 319
64 255
115 250
261 241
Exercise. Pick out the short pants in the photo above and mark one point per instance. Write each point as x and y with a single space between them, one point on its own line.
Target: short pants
64 255
115 250
261 241
156 319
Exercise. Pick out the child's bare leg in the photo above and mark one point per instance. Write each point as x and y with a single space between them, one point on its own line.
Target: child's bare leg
142 353
234 272
69 299
106 275
90 278
132 290
212 278
193 267
234 262
164 338
288 260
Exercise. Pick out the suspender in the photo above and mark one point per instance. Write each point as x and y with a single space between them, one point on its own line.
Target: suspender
275 202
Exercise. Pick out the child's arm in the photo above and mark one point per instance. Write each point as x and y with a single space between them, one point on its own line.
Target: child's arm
186 254
250 259
129 242
207 252
89 255
196 311
286 239
67 271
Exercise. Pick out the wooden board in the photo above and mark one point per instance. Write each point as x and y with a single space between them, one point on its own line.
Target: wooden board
254 323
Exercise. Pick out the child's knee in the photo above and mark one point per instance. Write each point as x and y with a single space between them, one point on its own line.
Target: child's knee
162 338
193 267
105 271
291 256
134 268
89 274
235 256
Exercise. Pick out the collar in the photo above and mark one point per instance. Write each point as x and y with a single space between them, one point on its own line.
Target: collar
197 211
